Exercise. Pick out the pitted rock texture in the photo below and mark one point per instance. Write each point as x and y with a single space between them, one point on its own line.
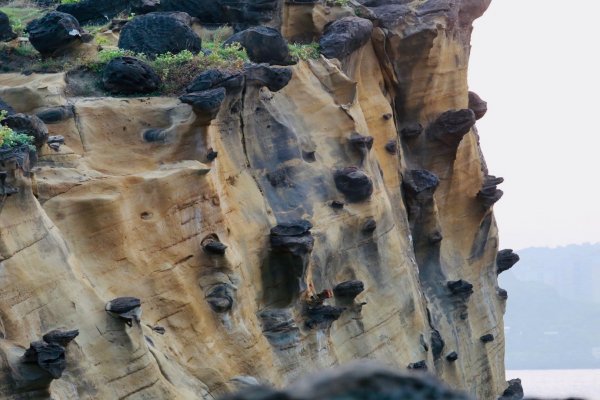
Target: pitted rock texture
122 207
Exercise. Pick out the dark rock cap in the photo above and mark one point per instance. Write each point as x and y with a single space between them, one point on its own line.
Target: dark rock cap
48 356
349 289
354 183
487 338
220 297
292 228
369 226
411 130
460 287
212 245
506 259
451 126
344 36
451 357
207 103
478 106
420 183
274 78
419 365
60 337
322 316
391 146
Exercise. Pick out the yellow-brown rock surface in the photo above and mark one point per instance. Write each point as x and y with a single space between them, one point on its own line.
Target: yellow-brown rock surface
113 215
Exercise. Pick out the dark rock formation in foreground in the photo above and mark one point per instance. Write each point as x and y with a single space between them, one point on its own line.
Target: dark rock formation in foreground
54 33
128 75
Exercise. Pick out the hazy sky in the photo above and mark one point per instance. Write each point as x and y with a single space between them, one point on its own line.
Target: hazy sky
537 64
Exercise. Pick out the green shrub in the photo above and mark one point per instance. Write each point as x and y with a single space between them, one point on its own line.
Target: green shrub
338 3
304 51
69 1
9 139
20 16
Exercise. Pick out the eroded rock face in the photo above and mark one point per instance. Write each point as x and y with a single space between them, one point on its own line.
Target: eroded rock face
159 33
123 205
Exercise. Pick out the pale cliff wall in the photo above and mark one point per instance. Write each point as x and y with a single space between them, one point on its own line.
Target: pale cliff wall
113 215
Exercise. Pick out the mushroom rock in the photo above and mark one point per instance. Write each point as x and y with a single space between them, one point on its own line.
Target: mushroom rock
344 36
505 260
220 297
274 78
48 356
263 45
437 344
451 357
361 143
60 337
478 106
292 237
369 226
89 12
212 245
54 33
411 130
29 125
514 391
127 309
348 289
214 78
502 293
6 32
451 126
419 365
321 316
461 288
279 328
205 104
420 184
392 146
159 33
129 75
354 183
52 115
487 338
489 193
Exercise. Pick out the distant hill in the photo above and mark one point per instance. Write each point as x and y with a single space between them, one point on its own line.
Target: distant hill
553 312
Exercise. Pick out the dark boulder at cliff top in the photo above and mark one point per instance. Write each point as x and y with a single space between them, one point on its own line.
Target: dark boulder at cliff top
54 33
506 259
159 33
94 11
213 78
344 36
6 32
263 45
128 75
207 103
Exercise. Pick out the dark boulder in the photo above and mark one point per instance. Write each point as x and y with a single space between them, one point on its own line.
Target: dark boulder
338 205
487 338
214 78
354 183
220 297
52 115
211 155
419 365
146 6
128 75
502 293
212 245
489 193
437 344
452 126
321 316
369 226
344 36
420 184
127 309
60 337
292 237
94 11
361 142
6 32
506 259
451 357
54 33
263 45
391 146
359 380
514 391
478 106
460 288
207 103
29 125
349 289
159 33
411 130
48 356
273 78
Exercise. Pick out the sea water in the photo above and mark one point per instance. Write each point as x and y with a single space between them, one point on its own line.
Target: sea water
559 383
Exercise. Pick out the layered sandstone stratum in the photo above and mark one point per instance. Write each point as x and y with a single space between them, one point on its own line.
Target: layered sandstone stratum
408 213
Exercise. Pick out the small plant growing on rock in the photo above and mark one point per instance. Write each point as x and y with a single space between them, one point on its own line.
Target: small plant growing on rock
10 140
338 3
69 1
304 51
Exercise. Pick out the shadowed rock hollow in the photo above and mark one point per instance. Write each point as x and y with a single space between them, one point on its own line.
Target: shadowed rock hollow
348 215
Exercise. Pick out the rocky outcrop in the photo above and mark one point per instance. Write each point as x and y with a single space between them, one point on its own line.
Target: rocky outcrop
55 33
506 259
159 33
128 75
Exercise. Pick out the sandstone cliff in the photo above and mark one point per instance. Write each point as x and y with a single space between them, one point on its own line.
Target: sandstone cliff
374 147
